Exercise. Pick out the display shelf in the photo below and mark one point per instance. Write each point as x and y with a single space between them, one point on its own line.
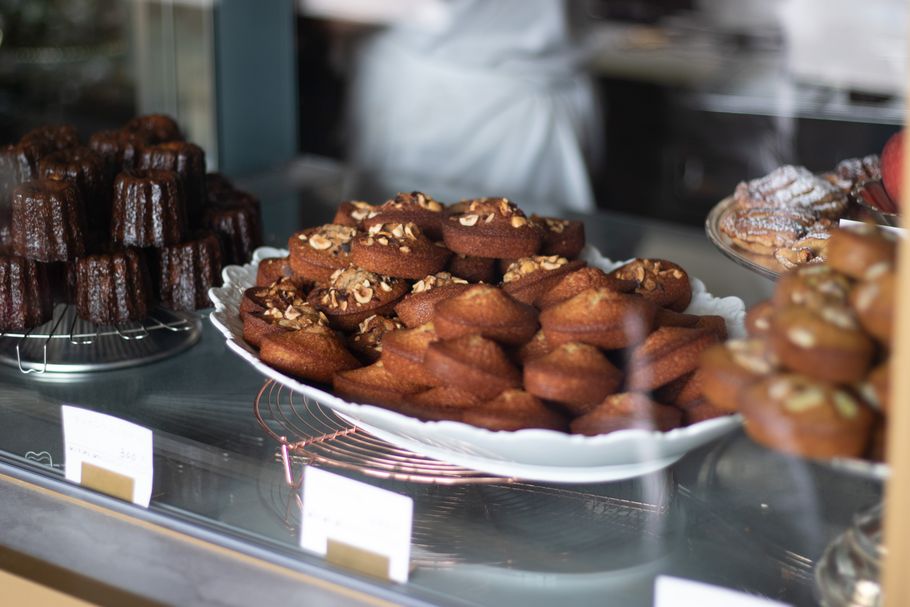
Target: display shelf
716 516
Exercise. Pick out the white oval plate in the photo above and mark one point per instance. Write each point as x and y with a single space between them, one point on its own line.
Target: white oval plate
542 455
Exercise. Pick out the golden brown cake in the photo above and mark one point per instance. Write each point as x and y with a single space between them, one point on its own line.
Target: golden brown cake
575 375
658 280
485 310
472 363
579 280
627 411
418 307
416 207
857 250
727 369
316 253
529 278
404 352
514 410
666 354
474 269
398 249
367 341
561 237
315 353
828 345
599 317
373 385
491 227
354 294
802 416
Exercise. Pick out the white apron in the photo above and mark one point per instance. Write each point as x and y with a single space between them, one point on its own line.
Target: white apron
490 103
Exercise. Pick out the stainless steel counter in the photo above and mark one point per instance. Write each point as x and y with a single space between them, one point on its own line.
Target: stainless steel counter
222 527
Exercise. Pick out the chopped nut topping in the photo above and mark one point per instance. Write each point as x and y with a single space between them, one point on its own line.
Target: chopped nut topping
361 210
383 241
320 243
750 355
839 316
330 237
353 286
867 391
804 400
436 280
877 270
779 389
371 331
528 265
404 249
845 404
363 295
866 295
801 337
468 220
557 226
518 221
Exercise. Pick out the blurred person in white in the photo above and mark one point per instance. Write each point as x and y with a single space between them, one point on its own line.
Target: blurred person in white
488 98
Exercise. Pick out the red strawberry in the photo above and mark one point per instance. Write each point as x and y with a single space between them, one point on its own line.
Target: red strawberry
892 161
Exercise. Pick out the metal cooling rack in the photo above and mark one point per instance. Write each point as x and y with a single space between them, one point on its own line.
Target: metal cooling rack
308 433
465 516
69 344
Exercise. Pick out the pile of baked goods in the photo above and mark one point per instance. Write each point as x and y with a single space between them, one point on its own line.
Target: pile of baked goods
113 225
477 313
789 213
812 377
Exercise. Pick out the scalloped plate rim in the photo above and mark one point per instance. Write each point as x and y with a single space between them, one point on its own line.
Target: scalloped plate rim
510 459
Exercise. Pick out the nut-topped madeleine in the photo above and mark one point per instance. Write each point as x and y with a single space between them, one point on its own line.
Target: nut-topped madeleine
352 212
529 278
491 227
415 207
367 340
563 237
661 281
398 249
316 253
352 294
418 306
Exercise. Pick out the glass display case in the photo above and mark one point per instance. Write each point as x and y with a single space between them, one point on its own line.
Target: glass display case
577 525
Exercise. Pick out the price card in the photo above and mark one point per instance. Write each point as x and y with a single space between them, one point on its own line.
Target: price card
356 525
847 223
108 454
676 592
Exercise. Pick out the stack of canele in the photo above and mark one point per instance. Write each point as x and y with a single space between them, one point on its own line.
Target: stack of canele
115 225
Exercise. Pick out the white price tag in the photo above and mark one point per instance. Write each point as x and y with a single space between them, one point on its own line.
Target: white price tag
108 454
676 592
849 223
356 525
